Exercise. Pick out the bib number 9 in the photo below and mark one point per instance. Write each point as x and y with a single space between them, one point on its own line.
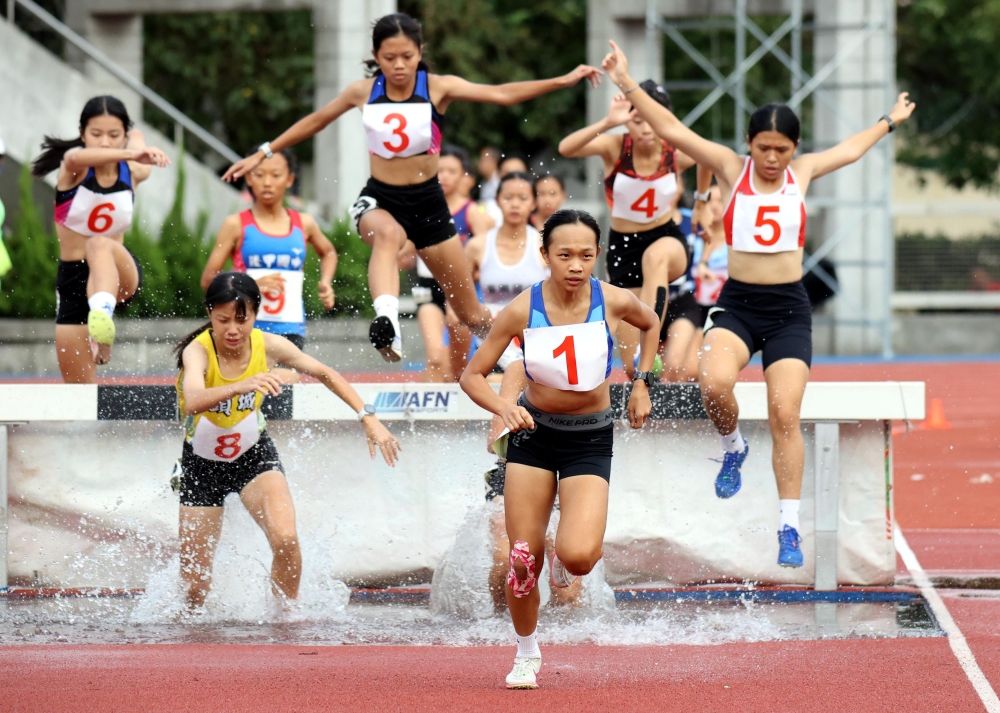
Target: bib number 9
274 301
229 446
568 347
646 203
100 222
763 221
404 140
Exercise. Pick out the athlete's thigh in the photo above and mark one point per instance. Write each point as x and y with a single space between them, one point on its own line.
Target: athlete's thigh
269 501
723 356
379 221
450 267
76 364
583 510
679 338
786 385
432 321
528 495
199 531
128 273
670 249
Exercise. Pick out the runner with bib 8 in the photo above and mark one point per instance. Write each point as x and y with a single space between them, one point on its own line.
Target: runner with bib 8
763 306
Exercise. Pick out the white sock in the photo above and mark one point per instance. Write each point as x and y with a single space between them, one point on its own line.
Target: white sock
734 442
527 647
789 514
104 301
388 306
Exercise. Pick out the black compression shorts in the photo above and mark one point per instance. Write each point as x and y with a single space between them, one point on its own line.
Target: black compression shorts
625 252
206 483
71 291
683 307
421 209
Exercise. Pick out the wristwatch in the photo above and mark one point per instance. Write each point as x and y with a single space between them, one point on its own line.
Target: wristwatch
703 197
266 148
647 376
892 124
366 410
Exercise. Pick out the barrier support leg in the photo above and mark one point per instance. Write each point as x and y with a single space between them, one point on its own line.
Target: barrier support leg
3 507
827 504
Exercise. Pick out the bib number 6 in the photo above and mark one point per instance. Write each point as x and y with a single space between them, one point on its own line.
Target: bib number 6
229 446
763 221
100 222
404 140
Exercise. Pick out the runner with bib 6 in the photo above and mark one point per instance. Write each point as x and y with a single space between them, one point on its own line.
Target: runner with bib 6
402 107
95 189
763 305
224 377
561 428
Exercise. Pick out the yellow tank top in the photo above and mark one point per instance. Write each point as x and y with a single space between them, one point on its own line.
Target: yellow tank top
225 424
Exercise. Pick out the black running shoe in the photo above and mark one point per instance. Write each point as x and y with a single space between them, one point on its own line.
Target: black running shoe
384 338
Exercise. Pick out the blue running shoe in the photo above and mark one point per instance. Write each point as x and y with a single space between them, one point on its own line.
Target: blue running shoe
728 482
789 550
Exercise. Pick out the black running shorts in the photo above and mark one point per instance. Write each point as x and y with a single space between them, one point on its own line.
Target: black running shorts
206 483
71 291
625 252
683 307
421 209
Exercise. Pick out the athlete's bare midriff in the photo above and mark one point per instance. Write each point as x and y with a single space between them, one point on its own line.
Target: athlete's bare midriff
407 171
73 246
629 227
766 268
552 400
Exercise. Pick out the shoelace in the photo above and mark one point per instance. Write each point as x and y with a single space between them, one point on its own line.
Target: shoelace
522 667
787 537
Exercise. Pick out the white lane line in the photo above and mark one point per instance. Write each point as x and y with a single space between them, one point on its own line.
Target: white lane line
959 646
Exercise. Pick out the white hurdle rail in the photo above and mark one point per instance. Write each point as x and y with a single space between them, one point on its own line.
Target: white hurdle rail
827 405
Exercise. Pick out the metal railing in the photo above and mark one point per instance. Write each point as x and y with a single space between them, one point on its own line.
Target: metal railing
180 119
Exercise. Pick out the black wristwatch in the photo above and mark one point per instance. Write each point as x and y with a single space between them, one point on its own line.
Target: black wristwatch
647 376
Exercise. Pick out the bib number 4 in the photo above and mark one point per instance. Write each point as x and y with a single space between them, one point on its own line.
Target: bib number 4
763 221
646 203
398 131
100 218
568 347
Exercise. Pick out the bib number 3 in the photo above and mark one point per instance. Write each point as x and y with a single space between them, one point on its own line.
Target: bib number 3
404 140
569 349
100 218
229 446
764 222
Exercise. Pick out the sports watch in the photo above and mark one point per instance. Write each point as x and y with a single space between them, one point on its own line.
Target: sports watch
647 376
266 148
366 410
703 197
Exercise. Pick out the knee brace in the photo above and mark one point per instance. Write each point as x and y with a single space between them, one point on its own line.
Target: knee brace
519 553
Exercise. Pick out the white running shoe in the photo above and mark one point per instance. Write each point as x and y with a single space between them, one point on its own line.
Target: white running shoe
523 673
558 575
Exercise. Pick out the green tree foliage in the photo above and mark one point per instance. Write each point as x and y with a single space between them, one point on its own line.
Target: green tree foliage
246 76
948 61
351 281
28 290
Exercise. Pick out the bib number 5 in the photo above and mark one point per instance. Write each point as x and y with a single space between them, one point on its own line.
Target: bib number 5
229 446
404 140
100 221
764 222
568 347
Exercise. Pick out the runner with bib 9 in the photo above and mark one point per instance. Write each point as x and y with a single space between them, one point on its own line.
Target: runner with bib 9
95 190
763 305
224 377
561 427
402 107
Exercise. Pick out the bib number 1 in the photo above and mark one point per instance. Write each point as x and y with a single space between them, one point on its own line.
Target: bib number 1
646 203
404 140
569 349
99 221
764 222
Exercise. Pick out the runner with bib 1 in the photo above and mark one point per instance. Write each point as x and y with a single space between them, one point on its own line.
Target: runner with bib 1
763 305
225 374
647 251
560 429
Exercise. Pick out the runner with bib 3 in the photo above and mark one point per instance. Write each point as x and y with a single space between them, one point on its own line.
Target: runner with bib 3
561 426
224 377
763 305
647 251
402 107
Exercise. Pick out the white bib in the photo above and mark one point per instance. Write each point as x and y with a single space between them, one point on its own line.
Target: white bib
225 444
767 223
286 306
397 130
642 201
100 213
706 292
571 357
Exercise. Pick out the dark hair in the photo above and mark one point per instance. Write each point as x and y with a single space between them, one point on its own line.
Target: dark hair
775 117
555 177
290 158
389 26
512 156
517 176
569 216
457 152
226 287
658 93
54 149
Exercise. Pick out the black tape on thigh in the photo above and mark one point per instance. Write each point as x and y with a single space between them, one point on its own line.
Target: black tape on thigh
661 301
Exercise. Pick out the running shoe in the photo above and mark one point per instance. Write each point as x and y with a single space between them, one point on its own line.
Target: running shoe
789 550
101 327
384 338
558 575
523 673
728 482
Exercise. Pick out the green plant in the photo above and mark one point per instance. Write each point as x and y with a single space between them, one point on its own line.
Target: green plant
28 290
351 281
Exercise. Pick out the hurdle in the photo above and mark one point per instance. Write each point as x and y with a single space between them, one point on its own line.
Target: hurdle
848 428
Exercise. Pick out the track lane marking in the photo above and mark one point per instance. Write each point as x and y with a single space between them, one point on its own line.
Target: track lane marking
959 646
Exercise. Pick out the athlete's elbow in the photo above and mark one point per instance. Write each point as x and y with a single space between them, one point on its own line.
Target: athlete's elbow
565 151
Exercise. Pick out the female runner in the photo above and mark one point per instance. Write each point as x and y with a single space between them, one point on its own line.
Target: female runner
550 194
562 427
646 249
763 306
433 313
268 242
223 380
95 191
402 108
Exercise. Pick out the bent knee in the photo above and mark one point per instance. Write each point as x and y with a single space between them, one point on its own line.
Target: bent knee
578 560
784 420
98 243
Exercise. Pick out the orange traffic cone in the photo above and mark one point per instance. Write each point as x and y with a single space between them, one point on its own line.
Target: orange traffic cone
935 417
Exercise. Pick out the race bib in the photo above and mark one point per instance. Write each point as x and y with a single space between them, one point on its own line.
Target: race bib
397 130
225 444
571 357
767 224
284 306
643 201
706 292
100 213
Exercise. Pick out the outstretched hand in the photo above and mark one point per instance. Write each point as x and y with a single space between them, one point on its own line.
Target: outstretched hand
584 71
616 65
242 168
903 109
378 436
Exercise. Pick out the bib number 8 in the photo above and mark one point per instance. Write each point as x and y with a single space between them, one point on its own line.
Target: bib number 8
646 203
764 221
229 446
568 347
100 222
404 140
